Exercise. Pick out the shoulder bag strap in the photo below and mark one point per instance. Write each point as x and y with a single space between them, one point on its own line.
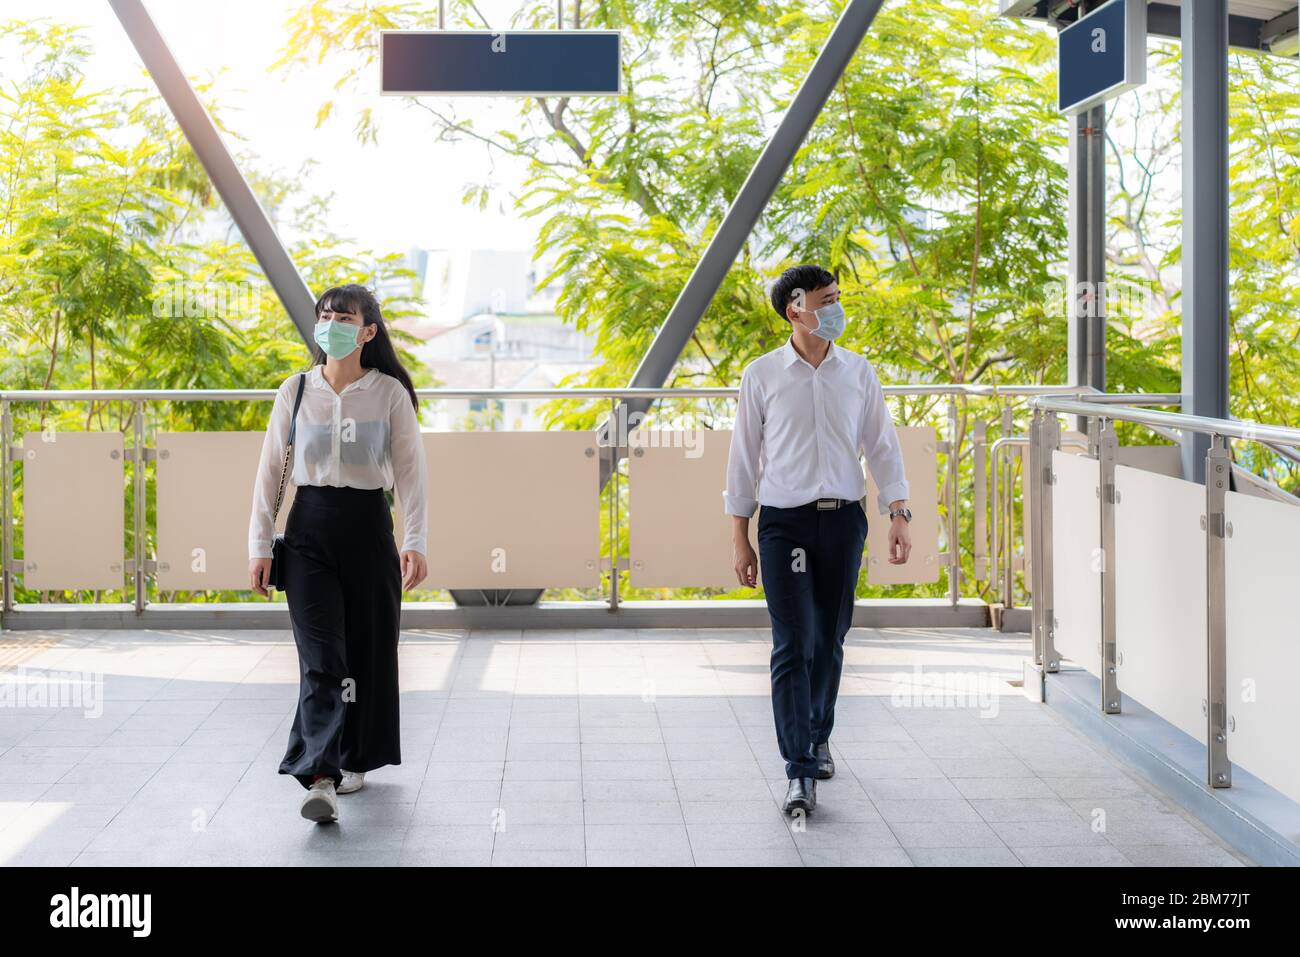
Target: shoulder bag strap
288 448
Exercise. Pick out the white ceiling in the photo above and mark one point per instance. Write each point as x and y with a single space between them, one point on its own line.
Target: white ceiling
1256 9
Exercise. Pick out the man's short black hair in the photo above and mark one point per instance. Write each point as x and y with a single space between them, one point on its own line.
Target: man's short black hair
806 277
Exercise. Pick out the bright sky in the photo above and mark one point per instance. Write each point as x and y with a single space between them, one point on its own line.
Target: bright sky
403 192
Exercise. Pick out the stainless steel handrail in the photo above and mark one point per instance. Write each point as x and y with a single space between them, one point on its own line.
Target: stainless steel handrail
1085 395
205 395
1175 420
1218 470
1003 508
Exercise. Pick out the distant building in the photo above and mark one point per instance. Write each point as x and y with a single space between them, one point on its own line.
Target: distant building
486 325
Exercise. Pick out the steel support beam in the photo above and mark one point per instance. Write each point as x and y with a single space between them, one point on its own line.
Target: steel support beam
1163 20
748 205
211 150
1205 222
1087 250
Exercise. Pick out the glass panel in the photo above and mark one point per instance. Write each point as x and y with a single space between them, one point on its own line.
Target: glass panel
1160 595
1263 554
1076 550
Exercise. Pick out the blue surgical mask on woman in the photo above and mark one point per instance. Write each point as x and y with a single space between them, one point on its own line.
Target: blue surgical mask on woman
337 339
830 321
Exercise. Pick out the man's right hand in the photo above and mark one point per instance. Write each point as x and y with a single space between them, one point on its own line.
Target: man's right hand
746 563
259 575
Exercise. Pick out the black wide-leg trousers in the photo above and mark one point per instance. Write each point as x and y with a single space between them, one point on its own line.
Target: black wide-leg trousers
344 590
809 559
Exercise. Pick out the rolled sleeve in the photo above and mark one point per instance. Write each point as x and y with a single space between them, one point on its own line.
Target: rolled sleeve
879 443
741 495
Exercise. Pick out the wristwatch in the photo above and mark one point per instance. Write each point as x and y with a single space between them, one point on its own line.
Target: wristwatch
904 511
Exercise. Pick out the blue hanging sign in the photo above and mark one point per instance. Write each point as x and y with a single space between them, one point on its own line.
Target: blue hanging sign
505 63
1102 55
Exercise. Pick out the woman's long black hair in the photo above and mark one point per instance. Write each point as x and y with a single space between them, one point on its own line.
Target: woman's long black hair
378 353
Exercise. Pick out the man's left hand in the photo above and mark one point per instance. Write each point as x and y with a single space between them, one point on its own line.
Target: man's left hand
900 541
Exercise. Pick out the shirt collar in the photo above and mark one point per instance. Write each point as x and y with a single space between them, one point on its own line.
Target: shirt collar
791 356
368 378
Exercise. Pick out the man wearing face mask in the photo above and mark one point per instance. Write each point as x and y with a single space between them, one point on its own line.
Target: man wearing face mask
807 412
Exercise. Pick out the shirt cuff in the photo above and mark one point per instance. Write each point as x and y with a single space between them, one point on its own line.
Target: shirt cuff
892 493
737 505
415 545
259 550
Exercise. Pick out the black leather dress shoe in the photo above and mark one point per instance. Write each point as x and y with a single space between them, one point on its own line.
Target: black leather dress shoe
800 795
825 763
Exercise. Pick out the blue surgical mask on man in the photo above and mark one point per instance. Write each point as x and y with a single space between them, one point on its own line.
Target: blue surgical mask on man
830 321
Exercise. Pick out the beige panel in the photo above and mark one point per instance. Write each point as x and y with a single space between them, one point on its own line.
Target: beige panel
919 453
1255 486
512 510
1263 640
1153 458
1160 595
1076 559
74 528
204 496
678 534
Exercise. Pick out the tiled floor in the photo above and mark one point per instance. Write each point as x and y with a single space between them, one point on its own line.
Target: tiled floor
641 747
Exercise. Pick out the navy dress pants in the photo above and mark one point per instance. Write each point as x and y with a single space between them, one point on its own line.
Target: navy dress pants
344 589
809 560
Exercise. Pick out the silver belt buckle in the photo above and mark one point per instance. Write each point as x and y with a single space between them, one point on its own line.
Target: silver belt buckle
824 504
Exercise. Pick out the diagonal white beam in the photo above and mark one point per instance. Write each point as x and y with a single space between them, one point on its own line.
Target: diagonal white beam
206 141
749 204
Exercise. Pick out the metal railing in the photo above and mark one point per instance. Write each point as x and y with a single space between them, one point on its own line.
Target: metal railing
1003 488
1086 397
1043 440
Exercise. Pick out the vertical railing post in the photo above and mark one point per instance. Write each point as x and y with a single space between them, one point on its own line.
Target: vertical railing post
137 478
1217 465
954 466
6 538
979 453
1051 441
1005 519
1033 496
1107 453
995 504
615 434
1044 437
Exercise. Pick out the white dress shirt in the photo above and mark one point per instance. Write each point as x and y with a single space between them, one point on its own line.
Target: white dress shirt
368 436
801 432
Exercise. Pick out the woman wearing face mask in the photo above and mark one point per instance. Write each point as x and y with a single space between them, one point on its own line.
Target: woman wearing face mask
356 434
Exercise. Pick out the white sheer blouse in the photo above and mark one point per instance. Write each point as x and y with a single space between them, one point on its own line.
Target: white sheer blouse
368 436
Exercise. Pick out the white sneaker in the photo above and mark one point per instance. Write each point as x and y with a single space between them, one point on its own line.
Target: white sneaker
320 804
352 781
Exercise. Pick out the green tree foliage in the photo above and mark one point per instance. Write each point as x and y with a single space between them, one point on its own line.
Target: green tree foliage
933 182
100 203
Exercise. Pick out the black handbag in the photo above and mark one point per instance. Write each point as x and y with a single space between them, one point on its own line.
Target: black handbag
276 576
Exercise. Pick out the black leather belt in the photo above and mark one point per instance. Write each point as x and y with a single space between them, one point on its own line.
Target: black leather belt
827 503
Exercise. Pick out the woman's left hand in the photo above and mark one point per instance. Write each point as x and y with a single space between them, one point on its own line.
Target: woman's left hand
414 569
